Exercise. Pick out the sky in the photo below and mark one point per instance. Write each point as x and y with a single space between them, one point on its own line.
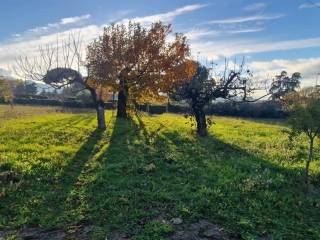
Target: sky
272 35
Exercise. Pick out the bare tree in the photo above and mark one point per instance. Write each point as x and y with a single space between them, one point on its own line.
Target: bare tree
59 65
233 84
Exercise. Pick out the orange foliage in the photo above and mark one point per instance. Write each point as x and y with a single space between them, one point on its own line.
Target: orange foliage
140 61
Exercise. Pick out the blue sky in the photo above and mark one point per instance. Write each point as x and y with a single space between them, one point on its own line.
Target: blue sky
273 35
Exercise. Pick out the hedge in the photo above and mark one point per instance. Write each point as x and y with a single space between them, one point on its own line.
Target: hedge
265 109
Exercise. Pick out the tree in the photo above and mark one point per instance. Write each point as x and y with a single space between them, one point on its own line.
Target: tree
71 91
198 92
84 97
202 89
284 84
31 88
303 97
60 77
59 66
25 88
6 94
138 62
305 119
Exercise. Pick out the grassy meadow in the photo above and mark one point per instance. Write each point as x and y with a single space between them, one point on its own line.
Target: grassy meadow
245 176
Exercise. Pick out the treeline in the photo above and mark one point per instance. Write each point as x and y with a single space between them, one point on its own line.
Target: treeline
15 91
263 109
40 101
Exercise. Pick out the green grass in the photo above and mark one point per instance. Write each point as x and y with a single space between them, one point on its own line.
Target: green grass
19 111
242 177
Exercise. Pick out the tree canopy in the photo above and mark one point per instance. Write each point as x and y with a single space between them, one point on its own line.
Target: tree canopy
304 118
138 62
21 88
6 93
202 88
283 84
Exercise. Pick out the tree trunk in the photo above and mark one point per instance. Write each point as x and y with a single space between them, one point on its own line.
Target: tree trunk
11 104
101 115
311 153
122 103
201 122
99 106
148 108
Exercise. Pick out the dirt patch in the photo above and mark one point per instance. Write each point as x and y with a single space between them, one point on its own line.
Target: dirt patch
81 232
7 177
201 230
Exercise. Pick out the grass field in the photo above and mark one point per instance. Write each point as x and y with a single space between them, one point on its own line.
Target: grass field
243 176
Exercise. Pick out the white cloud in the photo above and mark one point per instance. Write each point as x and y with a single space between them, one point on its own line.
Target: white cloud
197 34
255 6
245 30
228 48
310 5
27 43
253 18
118 15
220 48
308 67
9 52
50 28
73 20
165 17
203 33
213 48
5 72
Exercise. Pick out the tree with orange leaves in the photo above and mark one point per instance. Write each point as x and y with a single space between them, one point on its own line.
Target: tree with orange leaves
139 62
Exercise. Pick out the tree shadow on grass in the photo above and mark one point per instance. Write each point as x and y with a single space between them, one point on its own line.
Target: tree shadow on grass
194 179
43 197
246 193
115 198
113 186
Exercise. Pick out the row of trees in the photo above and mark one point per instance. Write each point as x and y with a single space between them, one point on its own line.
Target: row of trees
12 90
15 88
141 65
138 63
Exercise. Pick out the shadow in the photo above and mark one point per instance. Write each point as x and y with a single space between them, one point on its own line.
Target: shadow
47 198
194 178
141 125
245 193
114 199
269 121
143 170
